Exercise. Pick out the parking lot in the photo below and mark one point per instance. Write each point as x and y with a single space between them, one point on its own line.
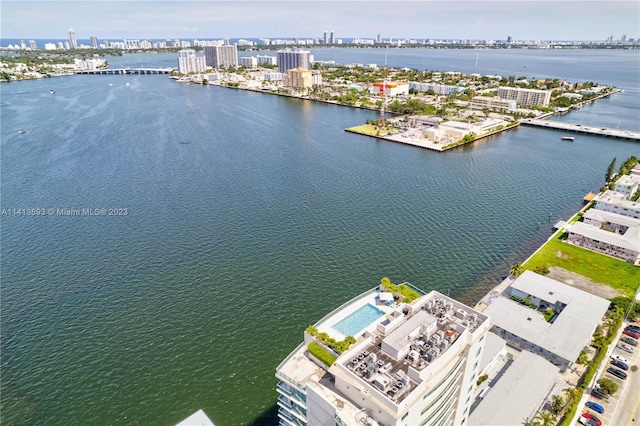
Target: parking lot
620 408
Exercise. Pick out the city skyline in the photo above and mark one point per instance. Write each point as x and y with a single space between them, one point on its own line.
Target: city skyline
475 20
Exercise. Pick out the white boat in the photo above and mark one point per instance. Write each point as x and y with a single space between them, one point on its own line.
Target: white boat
127 84
53 92
110 84
567 138
21 131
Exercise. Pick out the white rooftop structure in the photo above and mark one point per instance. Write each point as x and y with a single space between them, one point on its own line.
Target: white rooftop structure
411 362
630 240
494 346
199 418
617 202
560 341
603 216
628 184
518 394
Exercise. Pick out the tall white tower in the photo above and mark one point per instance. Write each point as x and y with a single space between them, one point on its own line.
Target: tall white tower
72 38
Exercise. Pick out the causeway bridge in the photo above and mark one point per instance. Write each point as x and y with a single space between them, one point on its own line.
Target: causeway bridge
578 128
122 71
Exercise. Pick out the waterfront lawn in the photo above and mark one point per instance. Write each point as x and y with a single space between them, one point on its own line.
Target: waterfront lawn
369 130
615 273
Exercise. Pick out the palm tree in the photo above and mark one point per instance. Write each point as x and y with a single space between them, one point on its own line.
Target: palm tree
557 403
516 269
570 394
545 418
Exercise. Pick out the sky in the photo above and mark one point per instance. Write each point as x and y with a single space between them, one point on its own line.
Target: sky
210 19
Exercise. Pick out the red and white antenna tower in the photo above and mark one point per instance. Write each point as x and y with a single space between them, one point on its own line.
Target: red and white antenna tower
382 91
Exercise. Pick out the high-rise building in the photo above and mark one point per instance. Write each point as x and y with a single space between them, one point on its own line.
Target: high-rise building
94 42
33 45
188 62
509 39
289 59
325 39
379 38
528 97
249 62
332 38
384 359
72 38
221 56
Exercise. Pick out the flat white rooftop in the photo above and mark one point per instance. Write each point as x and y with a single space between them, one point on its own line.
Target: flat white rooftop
199 418
572 328
518 394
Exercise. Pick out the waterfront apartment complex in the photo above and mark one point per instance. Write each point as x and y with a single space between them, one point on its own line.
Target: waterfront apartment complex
188 62
574 316
224 56
290 59
527 97
612 225
440 89
481 102
411 364
300 79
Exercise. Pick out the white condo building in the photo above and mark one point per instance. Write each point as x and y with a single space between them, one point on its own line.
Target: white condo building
527 97
412 364
72 38
221 56
189 63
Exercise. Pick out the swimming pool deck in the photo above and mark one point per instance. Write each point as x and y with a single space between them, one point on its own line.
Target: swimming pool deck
328 322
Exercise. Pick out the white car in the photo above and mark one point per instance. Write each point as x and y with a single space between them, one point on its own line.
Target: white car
619 358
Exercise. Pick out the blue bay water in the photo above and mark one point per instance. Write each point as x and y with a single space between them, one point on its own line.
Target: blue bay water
249 217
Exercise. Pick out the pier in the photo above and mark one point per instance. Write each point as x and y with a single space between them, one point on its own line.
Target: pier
578 128
123 71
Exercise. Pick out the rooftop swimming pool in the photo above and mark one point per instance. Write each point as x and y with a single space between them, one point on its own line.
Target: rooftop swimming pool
358 320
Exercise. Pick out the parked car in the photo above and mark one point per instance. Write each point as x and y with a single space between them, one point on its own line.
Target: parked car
589 419
597 392
633 333
629 340
619 358
625 348
619 364
618 373
595 406
633 327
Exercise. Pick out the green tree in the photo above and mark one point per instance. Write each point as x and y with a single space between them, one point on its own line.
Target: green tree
608 386
570 394
557 403
583 358
545 418
610 169
516 269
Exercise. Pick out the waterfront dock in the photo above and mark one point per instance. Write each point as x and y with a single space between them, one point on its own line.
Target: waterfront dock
578 128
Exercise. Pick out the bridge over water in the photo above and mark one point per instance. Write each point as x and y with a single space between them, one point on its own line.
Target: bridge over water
578 128
122 71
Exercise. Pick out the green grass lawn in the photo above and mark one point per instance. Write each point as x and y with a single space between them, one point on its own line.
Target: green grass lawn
615 273
368 129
